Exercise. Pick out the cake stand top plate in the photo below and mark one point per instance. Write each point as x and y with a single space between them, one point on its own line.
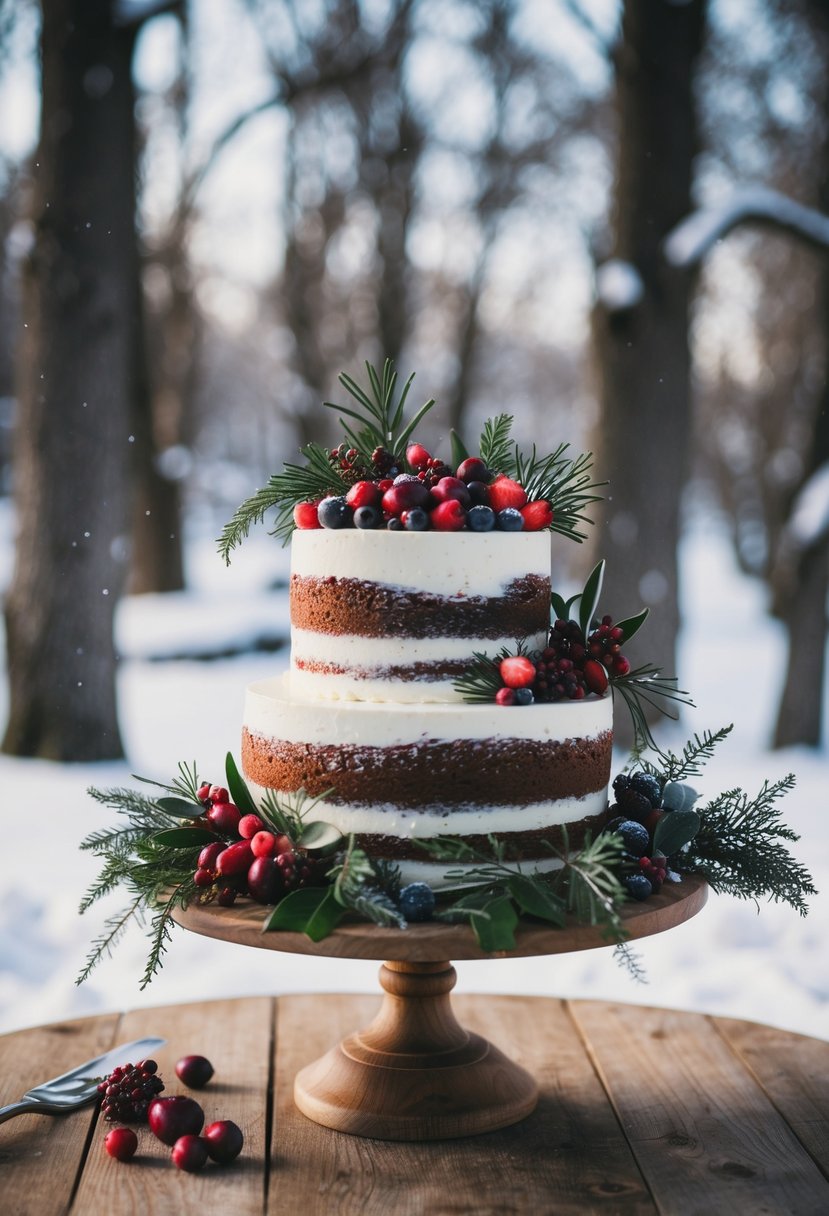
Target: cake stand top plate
433 941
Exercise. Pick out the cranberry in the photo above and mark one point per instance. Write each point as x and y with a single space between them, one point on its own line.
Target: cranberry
263 844
227 897
284 844
505 493
194 1071
266 880
473 469
235 859
218 793
224 817
404 496
595 676
417 456
121 1143
448 516
190 1153
203 792
208 855
505 696
249 825
224 1141
170 1118
449 488
305 515
203 878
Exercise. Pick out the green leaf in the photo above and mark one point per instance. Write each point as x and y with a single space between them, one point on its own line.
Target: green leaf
184 838
494 446
590 597
559 606
535 898
495 929
311 910
320 838
677 796
675 829
239 791
459 451
632 624
179 808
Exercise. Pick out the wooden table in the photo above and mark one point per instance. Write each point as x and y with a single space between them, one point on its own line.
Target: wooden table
642 1111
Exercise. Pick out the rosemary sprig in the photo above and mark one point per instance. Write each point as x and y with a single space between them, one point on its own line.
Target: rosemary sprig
381 417
644 686
495 447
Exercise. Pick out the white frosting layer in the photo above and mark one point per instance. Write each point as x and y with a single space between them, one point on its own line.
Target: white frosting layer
364 659
449 564
409 824
272 711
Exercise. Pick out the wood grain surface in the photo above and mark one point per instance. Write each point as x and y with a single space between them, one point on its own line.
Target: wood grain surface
641 1111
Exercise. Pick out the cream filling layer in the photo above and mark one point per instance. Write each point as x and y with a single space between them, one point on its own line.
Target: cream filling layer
454 565
272 713
417 824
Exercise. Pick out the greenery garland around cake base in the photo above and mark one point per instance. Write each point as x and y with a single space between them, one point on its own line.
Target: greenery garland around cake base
193 842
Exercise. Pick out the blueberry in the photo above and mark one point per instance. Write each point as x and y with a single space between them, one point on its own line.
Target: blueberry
510 520
478 493
636 837
394 525
480 519
416 520
367 517
638 886
634 804
620 784
334 513
417 901
524 696
648 786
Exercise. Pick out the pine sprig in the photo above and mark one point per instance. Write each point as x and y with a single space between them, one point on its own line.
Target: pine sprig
495 447
482 679
738 848
645 686
695 755
565 484
381 415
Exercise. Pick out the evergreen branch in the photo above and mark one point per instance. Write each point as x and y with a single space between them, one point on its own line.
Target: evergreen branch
161 926
738 849
646 686
288 814
631 961
589 883
564 483
695 755
482 679
114 929
494 447
381 417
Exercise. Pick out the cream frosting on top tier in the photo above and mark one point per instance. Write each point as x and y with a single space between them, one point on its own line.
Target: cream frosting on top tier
398 616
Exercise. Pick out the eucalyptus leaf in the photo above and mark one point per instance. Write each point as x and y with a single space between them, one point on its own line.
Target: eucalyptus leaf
675 829
320 838
184 838
307 910
459 449
239 792
536 899
559 606
677 796
180 808
495 930
632 624
590 597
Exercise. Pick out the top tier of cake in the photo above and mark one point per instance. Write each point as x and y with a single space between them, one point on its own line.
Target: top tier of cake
397 616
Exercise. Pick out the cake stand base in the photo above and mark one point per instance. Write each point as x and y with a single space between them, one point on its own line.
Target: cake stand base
415 1073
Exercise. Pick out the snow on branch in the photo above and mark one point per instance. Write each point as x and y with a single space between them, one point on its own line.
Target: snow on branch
687 243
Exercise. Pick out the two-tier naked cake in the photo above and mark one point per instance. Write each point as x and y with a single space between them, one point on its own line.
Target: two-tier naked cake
368 717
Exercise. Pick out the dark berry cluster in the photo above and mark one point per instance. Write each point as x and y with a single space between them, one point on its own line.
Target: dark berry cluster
605 644
421 494
129 1090
251 859
568 668
634 816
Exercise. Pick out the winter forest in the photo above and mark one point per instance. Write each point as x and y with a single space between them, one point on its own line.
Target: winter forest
608 218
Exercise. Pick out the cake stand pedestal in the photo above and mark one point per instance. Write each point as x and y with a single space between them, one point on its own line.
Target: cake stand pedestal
415 1073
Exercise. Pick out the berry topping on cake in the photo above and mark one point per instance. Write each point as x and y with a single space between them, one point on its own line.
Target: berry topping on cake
417 901
473 469
536 515
306 515
448 516
334 512
517 672
510 520
480 519
364 494
504 493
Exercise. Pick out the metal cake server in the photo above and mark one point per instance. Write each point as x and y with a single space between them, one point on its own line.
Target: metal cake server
79 1087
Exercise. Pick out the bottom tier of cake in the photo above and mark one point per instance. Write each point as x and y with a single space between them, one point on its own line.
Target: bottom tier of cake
395 775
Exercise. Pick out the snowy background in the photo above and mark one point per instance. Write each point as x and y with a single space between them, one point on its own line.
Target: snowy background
730 960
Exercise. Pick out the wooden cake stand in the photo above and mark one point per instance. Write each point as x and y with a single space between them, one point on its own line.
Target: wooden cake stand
415 1073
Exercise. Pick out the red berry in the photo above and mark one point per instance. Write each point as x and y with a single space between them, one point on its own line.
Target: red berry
449 488
203 792
203 878
504 492
364 494
404 495
473 469
170 1118
224 817
417 456
190 1153
305 515
194 1071
249 825
621 665
595 676
263 844
505 696
537 515
226 897
218 793
208 855
224 1141
121 1143
235 859
448 516
284 844
517 672
266 880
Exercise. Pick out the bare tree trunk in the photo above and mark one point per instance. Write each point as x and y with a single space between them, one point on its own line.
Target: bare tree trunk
76 394
642 350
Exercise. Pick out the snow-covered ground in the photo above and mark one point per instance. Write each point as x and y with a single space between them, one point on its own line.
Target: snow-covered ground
772 966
